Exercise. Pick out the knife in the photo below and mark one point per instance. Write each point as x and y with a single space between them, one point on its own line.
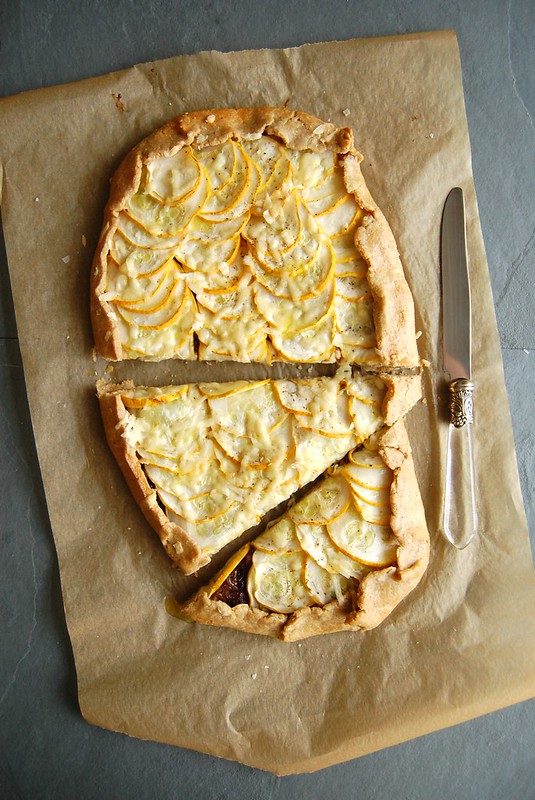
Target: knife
459 518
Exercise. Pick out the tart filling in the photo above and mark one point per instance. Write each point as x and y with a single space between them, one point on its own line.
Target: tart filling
250 247
249 235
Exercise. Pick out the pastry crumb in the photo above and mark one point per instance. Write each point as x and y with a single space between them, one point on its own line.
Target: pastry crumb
118 99
346 112
84 240
35 199
66 259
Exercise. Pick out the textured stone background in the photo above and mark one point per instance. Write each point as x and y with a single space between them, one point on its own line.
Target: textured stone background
47 750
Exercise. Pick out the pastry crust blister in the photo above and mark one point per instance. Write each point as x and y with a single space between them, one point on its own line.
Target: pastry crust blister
238 297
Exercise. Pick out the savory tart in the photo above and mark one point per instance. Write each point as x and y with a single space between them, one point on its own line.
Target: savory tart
340 559
249 235
206 461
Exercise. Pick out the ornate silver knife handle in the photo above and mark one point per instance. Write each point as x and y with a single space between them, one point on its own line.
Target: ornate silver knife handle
460 515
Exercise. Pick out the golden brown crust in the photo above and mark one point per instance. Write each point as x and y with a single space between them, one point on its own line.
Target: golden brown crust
379 592
403 392
393 305
181 548
393 308
105 332
203 608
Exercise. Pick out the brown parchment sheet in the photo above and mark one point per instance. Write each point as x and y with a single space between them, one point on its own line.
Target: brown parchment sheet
463 643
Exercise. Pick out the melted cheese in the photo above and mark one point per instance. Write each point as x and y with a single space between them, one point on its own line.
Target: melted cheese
221 458
257 232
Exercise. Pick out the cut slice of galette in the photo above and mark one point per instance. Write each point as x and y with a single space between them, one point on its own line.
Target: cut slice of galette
340 559
206 461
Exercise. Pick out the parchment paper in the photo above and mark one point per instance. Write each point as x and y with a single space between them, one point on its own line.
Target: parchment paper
463 643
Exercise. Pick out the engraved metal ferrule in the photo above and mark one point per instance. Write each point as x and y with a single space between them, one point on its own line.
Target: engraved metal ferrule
461 402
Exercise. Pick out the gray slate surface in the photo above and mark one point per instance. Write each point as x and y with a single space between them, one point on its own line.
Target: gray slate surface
47 750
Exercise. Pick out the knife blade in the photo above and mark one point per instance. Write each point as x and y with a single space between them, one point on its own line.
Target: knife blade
459 517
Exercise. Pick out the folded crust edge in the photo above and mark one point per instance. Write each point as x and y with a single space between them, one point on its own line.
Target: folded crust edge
183 551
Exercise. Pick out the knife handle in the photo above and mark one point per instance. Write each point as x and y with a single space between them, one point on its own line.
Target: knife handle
459 520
